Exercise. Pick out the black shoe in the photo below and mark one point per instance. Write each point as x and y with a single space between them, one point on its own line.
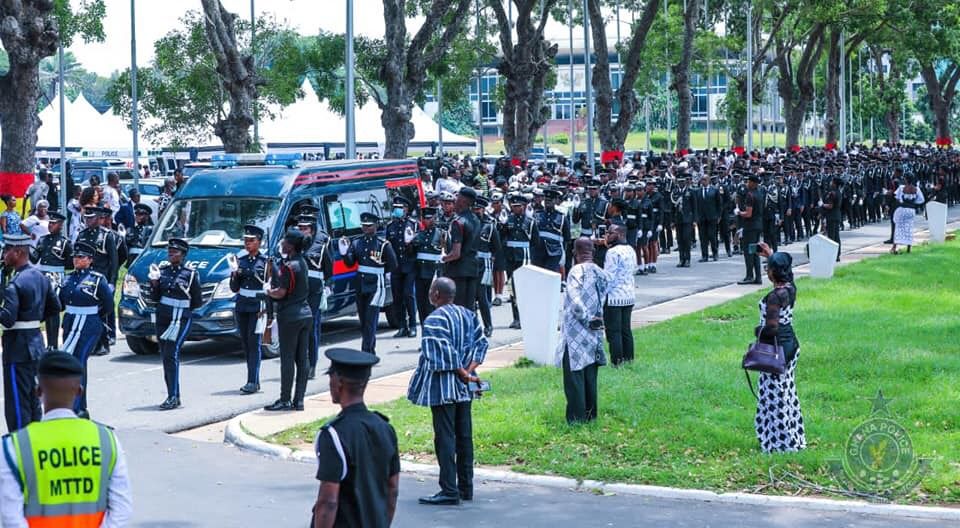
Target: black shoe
640 272
758 281
705 259
888 241
279 405
412 331
312 374
515 325
297 405
714 258
497 301
441 499
746 280
653 269
170 403
488 331
680 264
401 333
466 496
250 388
100 351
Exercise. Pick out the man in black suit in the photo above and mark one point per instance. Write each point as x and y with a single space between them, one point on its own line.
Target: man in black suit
686 215
708 216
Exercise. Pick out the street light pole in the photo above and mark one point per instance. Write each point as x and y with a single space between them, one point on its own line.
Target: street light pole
350 143
589 88
134 114
573 112
666 16
749 75
479 86
256 113
843 96
439 120
62 206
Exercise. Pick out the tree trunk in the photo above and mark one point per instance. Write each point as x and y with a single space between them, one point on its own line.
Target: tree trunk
18 119
737 112
612 135
890 97
681 75
831 125
941 91
237 74
795 87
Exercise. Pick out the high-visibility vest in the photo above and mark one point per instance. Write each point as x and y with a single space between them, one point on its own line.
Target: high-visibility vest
65 467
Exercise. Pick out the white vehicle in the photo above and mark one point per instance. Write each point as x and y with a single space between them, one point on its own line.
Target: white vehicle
150 190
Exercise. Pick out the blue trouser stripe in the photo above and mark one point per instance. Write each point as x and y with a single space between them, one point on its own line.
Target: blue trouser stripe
88 340
16 395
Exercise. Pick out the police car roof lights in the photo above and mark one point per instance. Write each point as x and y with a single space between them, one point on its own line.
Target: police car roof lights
289 160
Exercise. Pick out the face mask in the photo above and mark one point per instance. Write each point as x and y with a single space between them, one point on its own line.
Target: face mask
398 212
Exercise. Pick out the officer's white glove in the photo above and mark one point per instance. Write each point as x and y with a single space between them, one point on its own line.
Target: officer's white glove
736 211
649 234
776 218
232 262
344 245
154 273
266 287
409 235
820 203
659 228
327 292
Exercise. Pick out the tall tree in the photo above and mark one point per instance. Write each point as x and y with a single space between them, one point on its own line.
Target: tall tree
525 64
31 30
405 63
681 74
614 135
795 82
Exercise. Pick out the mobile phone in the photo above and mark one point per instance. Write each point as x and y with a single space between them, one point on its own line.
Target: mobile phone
483 386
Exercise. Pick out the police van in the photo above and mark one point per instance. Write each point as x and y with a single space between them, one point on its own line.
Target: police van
266 190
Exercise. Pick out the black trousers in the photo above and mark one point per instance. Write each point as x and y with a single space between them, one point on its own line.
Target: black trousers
666 236
771 233
513 294
466 291
708 237
21 404
294 340
833 233
52 327
369 316
616 320
316 329
751 259
484 294
684 240
402 287
453 444
424 308
580 388
250 344
726 235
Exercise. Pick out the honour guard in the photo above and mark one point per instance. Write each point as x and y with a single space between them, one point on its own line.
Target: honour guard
86 297
590 208
488 252
400 233
375 259
428 244
519 233
138 235
54 256
176 289
27 299
247 277
105 260
685 207
554 231
319 267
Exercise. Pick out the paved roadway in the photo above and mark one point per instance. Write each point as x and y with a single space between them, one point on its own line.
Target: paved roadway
188 484
125 389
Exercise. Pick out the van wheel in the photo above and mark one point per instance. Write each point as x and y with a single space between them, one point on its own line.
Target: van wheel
142 346
393 320
270 350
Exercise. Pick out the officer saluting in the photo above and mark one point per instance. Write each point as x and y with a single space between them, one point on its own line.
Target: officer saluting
247 280
27 299
177 290
375 259
427 244
358 462
554 232
54 256
86 297
400 233
138 235
319 268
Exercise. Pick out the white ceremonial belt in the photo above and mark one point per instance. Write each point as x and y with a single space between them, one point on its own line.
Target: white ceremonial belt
50 269
249 293
551 236
315 274
518 244
370 269
175 303
82 310
632 217
586 231
136 251
484 254
429 257
23 325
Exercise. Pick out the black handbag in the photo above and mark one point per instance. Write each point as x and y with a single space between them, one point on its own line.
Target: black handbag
763 357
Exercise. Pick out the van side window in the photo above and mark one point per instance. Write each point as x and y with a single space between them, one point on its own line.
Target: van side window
343 211
410 192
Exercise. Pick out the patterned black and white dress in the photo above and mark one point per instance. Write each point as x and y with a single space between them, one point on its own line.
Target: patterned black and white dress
779 422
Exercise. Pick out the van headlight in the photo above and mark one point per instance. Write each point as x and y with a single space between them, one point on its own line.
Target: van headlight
223 291
131 288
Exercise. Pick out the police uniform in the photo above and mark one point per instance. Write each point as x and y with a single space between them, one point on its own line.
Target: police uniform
28 299
85 296
402 277
464 230
488 252
375 258
358 451
54 256
752 227
590 207
685 207
319 271
251 306
137 236
177 292
833 214
519 233
554 233
428 249
105 260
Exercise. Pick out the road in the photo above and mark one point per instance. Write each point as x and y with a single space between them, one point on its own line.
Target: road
125 389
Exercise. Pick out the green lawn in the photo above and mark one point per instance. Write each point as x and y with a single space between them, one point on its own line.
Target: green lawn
681 415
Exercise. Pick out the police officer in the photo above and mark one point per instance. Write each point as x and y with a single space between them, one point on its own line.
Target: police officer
85 296
319 268
709 204
832 209
247 281
427 247
519 233
401 229
27 299
685 207
488 251
53 256
554 233
750 213
358 462
105 261
96 487
460 261
176 289
137 236
375 259
590 207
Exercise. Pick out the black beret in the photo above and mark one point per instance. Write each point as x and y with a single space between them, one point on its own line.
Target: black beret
56 217
142 208
468 192
178 244
349 363
57 364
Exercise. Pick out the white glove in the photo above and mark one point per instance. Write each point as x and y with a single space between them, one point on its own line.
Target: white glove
409 235
232 262
327 292
736 211
820 203
659 228
649 234
154 273
344 245
776 218
266 287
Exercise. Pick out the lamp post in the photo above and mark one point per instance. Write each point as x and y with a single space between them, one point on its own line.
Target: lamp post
134 114
589 89
350 142
749 75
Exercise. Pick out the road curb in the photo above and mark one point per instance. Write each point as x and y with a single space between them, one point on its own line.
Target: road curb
235 435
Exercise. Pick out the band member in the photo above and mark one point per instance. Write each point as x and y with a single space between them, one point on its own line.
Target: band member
54 256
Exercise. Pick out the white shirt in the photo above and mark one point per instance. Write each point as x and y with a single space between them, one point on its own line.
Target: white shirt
449 185
36 228
119 498
620 263
111 198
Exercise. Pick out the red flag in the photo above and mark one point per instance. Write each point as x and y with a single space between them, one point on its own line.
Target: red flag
607 156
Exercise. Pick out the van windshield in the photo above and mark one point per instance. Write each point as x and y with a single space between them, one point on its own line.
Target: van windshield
214 221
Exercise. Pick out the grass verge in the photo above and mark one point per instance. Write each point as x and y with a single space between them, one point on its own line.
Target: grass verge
682 416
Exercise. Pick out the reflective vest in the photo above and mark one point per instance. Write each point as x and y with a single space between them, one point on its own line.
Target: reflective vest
65 467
